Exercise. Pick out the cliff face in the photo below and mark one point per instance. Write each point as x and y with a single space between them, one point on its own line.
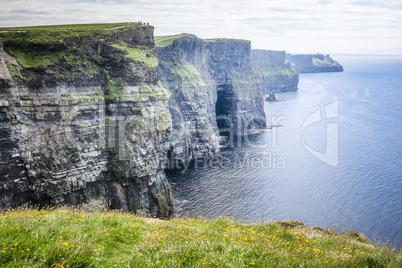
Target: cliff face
314 63
83 119
239 95
183 71
209 80
275 72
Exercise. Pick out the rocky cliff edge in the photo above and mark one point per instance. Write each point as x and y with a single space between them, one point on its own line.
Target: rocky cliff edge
314 63
214 89
83 119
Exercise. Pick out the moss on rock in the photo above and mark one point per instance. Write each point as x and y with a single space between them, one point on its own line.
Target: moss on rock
139 54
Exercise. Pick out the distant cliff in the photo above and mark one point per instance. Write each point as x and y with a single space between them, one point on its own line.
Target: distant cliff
314 63
83 119
208 79
275 72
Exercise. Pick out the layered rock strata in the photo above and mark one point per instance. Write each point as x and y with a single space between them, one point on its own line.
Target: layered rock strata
275 72
83 119
213 87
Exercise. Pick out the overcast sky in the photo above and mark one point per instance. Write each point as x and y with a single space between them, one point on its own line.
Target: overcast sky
297 26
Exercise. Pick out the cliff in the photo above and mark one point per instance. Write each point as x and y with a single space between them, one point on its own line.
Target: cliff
83 119
275 72
314 63
213 87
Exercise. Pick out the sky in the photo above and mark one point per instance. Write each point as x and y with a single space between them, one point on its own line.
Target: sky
297 26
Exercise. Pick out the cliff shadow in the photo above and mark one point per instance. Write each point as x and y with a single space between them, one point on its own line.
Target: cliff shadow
226 107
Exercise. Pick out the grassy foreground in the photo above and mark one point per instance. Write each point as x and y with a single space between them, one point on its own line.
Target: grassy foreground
66 237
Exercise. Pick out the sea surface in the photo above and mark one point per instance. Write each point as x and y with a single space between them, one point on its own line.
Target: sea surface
336 160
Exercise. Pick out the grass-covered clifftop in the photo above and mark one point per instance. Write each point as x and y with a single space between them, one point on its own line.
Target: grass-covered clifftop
74 54
164 41
67 27
314 63
67 237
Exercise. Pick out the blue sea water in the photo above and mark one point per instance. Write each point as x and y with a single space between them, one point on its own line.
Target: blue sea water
343 171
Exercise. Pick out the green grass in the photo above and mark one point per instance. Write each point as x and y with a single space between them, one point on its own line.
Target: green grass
226 40
29 59
66 237
154 92
67 27
27 98
13 69
164 41
187 72
41 49
163 120
111 88
43 35
74 60
277 70
139 54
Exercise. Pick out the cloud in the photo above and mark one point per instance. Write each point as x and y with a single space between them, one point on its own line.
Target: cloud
344 26
24 11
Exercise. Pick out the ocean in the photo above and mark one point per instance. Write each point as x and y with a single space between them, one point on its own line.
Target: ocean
334 159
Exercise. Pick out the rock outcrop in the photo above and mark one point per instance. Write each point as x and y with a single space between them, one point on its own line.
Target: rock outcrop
84 118
270 97
314 63
275 72
213 86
